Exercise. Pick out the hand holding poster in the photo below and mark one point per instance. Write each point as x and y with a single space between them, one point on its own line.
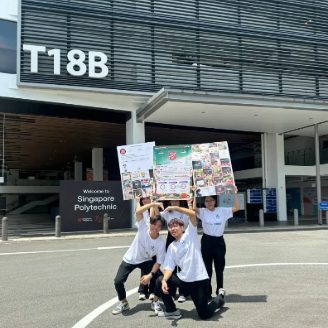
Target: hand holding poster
172 168
136 164
212 170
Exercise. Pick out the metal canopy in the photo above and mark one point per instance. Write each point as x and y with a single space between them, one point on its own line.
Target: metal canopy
166 95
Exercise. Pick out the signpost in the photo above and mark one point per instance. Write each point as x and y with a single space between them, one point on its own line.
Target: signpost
323 206
254 196
270 201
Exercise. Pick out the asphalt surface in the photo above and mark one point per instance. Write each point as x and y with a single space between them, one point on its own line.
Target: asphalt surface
57 283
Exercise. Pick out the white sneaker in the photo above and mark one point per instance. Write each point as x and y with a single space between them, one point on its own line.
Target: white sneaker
156 306
121 307
170 315
222 292
182 299
151 296
142 297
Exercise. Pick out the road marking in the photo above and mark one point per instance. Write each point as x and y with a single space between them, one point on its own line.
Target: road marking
270 264
65 250
84 322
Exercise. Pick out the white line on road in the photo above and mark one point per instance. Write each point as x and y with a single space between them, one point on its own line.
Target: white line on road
99 310
65 250
84 322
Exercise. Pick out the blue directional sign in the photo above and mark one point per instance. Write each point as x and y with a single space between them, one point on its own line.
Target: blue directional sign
270 201
254 196
323 206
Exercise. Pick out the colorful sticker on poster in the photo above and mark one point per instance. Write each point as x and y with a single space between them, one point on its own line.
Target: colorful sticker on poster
136 167
212 170
172 172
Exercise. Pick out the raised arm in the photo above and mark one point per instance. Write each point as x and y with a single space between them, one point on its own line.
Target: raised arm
189 212
144 208
237 205
194 204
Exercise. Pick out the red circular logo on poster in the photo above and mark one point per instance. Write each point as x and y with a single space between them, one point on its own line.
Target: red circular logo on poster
172 155
123 151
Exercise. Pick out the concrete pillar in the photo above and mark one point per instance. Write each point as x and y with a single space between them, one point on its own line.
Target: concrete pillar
135 133
78 171
275 164
98 164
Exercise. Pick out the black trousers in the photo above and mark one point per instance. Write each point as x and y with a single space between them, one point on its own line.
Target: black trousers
198 291
150 288
123 272
214 249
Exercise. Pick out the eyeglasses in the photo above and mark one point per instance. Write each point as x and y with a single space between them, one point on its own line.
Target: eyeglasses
210 201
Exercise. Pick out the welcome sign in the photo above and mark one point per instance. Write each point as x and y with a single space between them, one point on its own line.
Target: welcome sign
84 203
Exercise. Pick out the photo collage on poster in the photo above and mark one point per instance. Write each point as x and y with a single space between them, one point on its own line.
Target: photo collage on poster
212 170
137 184
136 167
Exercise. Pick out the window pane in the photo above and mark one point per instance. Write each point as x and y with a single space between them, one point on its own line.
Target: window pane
8 46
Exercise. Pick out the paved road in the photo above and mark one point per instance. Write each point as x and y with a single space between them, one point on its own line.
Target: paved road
57 283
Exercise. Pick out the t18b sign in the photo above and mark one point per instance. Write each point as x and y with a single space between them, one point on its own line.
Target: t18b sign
76 61
84 203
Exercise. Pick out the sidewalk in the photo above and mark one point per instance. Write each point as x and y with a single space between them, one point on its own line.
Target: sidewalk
233 228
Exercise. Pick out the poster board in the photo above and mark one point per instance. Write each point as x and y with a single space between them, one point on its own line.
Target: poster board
136 167
212 169
172 172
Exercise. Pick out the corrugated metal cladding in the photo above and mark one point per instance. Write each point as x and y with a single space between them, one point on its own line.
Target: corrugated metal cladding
263 47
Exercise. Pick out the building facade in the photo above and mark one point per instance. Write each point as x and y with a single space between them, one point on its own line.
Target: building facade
248 66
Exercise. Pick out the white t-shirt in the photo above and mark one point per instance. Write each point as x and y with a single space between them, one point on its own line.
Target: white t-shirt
168 216
143 247
214 222
146 217
186 254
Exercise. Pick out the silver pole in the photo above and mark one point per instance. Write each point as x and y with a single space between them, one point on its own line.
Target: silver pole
296 216
3 146
317 162
263 160
261 219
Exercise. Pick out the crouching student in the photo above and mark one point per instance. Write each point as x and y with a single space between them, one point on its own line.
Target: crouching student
185 253
146 244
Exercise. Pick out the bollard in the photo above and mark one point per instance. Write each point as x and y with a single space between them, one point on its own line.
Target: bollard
296 216
105 223
326 217
58 226
4 229
261 218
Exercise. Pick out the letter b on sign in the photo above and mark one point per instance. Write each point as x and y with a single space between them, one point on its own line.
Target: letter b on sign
93 55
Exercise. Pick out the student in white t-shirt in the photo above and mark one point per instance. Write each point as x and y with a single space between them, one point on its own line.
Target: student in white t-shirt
185 253
145 291
168 216
212 243
146 245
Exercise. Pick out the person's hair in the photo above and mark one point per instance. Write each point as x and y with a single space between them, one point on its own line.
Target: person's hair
154 219
176 221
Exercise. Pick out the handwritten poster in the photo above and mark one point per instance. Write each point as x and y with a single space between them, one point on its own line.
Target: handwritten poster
172 168
212 170
136 165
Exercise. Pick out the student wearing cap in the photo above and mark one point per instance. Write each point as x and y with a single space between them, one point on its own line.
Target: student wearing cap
146 245
212 243
185 253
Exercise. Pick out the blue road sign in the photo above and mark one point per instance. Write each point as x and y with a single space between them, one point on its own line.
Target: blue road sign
323 206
